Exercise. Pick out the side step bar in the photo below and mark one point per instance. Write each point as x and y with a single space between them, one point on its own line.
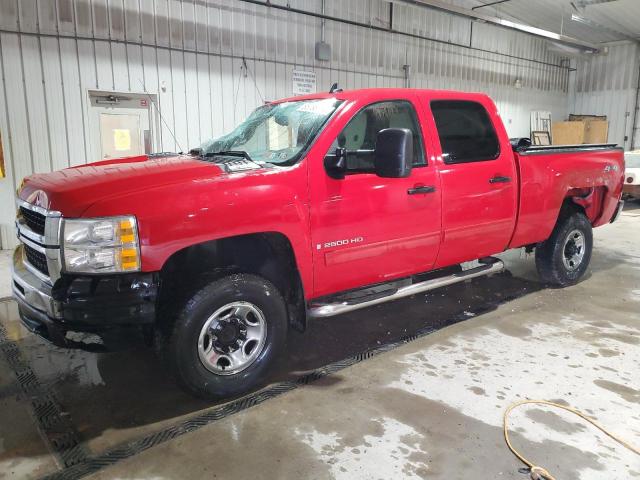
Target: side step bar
325 308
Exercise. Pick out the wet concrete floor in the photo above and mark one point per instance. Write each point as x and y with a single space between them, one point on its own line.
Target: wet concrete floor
429 408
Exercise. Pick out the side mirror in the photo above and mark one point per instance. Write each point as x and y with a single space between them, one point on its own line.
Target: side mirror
336 164
393 155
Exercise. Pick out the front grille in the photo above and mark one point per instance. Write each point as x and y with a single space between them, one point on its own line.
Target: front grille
37 259
35 221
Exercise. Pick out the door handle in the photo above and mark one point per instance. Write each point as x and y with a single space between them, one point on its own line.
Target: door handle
421 189
500 179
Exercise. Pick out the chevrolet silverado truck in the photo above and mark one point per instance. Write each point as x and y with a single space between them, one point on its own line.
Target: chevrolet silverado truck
314 206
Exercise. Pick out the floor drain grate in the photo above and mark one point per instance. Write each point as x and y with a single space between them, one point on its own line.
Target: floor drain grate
54 424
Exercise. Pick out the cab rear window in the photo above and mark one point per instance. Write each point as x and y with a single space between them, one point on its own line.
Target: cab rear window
465 130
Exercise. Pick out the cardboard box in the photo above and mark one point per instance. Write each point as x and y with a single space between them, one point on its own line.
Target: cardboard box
580 132
567 133
596 127
596 131
586 118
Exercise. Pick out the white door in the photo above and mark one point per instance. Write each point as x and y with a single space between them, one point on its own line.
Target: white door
120 135
120 125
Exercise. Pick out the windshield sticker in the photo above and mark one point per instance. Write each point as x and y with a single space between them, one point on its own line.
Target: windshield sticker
320 107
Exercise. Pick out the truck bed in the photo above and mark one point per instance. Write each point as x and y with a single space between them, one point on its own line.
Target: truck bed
548 173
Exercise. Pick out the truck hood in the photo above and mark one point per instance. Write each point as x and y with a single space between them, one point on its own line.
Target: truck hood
73 190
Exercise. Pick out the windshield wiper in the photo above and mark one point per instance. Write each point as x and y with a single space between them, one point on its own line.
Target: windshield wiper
230 153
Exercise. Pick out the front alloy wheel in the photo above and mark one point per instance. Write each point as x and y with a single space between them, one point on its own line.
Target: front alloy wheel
228 336
232 338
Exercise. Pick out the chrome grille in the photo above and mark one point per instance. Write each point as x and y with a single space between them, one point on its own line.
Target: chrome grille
39 232
37 259
34 220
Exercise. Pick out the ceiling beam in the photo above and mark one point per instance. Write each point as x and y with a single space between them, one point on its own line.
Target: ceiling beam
586 3
490 4
501 22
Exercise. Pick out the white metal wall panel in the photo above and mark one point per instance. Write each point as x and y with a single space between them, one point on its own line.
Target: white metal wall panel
166 103
607 85
211 62
19 131
6 185
88 81
35 105
73 105
56 110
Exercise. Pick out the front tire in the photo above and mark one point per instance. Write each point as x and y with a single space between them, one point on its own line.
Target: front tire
563 259
227 336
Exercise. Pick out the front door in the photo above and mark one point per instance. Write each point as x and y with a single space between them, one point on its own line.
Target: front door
479 181
367 229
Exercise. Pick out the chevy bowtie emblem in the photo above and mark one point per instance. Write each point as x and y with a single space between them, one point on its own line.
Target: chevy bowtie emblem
39 199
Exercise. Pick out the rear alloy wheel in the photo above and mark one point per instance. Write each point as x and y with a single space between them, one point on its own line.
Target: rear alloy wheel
573 251
564 257
228 336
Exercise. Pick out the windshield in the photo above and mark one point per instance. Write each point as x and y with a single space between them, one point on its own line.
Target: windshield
632 160
275 133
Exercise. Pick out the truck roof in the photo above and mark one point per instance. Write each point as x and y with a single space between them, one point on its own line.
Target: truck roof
371 93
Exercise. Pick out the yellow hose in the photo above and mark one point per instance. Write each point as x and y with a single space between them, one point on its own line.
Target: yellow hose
537 472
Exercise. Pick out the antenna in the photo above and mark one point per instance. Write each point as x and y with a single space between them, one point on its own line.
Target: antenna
335 88
144 89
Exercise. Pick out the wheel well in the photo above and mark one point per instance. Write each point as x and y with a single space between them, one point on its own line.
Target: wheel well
569 207
269 255
589 201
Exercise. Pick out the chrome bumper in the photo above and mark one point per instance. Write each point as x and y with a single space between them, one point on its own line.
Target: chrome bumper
31 290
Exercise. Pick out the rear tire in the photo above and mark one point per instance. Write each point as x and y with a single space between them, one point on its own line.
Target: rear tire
227 336
563 259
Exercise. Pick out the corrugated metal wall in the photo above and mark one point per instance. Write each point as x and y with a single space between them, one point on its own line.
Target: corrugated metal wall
192 54
607 85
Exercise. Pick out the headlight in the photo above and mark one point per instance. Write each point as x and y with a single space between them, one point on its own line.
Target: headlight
101 245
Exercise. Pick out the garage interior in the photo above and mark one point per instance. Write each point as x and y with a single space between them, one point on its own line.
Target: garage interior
415 388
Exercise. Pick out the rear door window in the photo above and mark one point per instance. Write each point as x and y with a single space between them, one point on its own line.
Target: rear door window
465 130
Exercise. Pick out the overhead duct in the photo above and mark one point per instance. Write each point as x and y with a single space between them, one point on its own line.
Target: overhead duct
586 3
501 22
390 29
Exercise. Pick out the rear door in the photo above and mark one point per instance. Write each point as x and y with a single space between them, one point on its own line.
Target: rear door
367 229
478 178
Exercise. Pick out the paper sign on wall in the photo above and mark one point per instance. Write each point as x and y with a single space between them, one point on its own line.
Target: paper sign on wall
121 139
303 82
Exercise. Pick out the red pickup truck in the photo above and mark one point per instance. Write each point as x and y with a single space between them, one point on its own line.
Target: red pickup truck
314 206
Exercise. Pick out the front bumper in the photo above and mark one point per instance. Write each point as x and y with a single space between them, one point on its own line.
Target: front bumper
88 312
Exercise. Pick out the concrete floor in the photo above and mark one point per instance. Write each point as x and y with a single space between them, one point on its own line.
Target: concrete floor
5 277
429 408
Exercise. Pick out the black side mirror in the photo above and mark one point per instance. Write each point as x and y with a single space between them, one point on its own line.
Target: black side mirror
520 144
336 164
393 155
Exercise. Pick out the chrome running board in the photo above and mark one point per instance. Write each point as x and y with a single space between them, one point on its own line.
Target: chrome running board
321 308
